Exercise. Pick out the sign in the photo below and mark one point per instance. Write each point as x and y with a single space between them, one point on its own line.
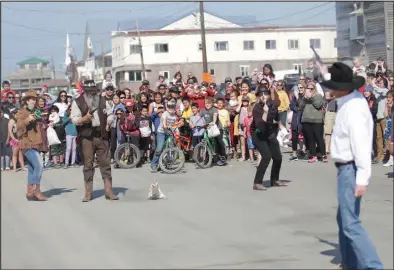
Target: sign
206 77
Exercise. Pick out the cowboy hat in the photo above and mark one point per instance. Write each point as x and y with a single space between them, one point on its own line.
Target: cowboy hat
30 94
342 78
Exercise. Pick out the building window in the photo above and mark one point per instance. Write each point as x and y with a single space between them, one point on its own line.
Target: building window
357 28
293 44
200 46
134 49
298 67
335 43
270 44
135 76
212 71
165 74
161 48
315 43
244 70
221 46
248 45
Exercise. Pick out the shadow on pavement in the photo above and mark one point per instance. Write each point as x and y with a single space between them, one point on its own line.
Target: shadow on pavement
116 190
267 183
334 252
390 175
57 191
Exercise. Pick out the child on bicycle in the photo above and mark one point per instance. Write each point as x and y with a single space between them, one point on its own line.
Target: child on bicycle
167 120
196 124
210 115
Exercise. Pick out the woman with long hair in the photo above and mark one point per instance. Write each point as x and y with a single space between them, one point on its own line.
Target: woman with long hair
296 127
42 124
143 101
312 122
62 103
232 106
17 154
29 141
264 129
284 102
158 102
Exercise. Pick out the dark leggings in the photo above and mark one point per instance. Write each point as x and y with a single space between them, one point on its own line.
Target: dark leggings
314 137
220 147
269 149
294 140
114 141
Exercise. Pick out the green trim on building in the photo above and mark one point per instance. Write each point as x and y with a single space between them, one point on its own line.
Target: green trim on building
32 61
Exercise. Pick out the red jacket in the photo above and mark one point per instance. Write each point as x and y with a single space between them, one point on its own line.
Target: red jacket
199 99
5 92
362 89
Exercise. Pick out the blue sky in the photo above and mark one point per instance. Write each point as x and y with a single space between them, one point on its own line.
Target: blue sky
39 29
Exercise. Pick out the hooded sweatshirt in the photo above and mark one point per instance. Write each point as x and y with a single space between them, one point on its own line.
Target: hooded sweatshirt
312 109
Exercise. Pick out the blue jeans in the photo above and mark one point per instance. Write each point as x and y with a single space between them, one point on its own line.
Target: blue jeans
35 166
356 248
160 139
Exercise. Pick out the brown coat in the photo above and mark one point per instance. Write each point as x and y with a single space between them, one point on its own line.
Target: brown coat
29 135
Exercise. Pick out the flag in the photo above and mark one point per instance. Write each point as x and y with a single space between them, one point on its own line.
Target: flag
68 59
90 47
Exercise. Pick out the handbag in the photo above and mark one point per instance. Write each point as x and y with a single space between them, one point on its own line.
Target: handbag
52 136
213 131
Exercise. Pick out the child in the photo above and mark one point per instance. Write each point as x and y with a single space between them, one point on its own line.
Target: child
57 150
4 140
196 121
119 110
247 122
17 154
146 132
224 118
243 113
156 115
71 138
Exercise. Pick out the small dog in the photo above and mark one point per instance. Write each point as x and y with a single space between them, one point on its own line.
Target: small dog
155 192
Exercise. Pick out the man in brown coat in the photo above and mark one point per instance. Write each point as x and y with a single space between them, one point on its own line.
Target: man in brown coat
90 112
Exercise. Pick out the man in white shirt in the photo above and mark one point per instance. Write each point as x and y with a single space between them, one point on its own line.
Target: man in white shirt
351 144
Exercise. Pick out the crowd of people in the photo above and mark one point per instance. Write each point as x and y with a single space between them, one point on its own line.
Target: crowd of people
306 116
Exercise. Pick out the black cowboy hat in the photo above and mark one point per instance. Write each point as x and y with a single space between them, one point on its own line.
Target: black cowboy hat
342 78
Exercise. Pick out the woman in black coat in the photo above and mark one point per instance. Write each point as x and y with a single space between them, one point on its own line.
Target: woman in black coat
264 129
296 126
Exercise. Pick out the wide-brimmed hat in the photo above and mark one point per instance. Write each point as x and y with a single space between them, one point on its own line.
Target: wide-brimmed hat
342 78
30 94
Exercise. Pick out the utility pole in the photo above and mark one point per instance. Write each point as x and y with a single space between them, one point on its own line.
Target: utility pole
102 59
53 70
203 41
140 48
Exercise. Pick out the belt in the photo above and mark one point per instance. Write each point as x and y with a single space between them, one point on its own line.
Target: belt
96 132
339 164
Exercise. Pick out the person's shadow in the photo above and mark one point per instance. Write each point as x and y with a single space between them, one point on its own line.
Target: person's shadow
334 252
116 190
56 191
390 175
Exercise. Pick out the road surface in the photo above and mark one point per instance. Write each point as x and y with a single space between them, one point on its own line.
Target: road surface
211 219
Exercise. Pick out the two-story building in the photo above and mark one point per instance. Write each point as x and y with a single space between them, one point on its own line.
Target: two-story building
232 50
365 30
33 73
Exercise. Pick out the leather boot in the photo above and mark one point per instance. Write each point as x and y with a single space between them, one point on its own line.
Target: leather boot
30 193
109 195
38 194
88 192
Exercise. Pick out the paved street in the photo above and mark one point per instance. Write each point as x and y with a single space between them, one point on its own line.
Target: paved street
211 219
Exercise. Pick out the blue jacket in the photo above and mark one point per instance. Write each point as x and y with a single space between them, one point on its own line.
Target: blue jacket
156 121
297 115
71 129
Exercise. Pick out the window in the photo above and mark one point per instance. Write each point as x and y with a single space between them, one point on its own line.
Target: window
134 49
357 26
244 71
293 44
270 44
165 74
298 67
212 71
221 46
135 76
248 45
335 43
161 48
200 46
315 43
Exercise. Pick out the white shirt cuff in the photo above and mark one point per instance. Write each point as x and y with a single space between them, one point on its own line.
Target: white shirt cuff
327 76
362 177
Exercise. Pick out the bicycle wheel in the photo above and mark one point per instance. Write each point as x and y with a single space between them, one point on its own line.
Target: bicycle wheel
171 160
202 155
127 156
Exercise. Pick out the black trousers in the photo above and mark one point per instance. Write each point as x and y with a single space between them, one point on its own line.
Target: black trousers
374 144
220 147
113 142
314 132
269 149
294 140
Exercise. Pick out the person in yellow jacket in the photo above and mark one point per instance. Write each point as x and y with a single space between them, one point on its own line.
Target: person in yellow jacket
245 92
284 102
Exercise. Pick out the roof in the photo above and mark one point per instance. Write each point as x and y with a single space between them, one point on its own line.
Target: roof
226 30
32 60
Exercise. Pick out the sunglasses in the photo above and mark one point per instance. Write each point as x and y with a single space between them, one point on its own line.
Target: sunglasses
301 87
122 97
311 88
63 95
280 84
302 79
10 97
119 113
109 89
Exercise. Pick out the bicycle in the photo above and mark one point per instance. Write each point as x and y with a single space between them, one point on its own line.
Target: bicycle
206 149
171 155
127 152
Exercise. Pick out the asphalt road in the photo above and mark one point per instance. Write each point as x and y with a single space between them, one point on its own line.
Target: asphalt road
211 219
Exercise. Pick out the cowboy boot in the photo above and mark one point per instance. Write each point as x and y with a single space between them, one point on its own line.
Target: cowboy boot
88 191
30 193
109 195
38 194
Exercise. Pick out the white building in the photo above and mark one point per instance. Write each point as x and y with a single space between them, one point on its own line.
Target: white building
232 50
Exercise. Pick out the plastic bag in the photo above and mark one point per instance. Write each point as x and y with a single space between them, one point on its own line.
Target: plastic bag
213 131
52 136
